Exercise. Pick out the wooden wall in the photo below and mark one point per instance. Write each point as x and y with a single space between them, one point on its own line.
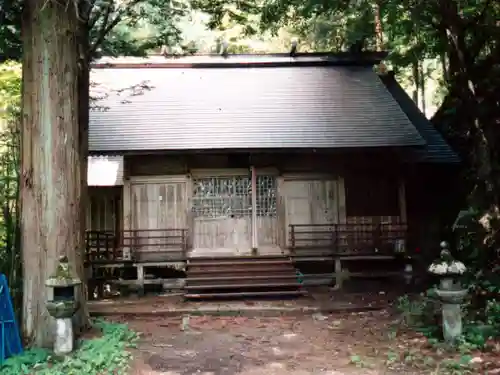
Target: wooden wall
104 208
311 200
156 212
310 189
374 198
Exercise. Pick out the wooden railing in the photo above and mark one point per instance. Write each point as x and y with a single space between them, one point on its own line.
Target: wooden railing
347 239
101 245
145 245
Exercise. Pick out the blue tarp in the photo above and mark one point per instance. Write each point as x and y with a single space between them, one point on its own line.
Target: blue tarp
10 339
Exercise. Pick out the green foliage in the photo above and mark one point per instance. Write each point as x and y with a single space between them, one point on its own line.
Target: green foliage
108 354
477 241
477 247
114 27
420 312
10 35
423 312
10 90
10 254
133 28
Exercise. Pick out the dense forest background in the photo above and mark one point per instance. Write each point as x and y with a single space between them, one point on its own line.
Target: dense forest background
446 53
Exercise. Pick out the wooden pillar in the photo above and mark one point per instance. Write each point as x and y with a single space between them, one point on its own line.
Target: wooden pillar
127 217
338 274
281 214
402 201
254 209
127 212
190 234
140 279
342 219
341 208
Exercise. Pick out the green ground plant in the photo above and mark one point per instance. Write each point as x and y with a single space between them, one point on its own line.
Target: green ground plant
476 246
480 326
106 354
10 249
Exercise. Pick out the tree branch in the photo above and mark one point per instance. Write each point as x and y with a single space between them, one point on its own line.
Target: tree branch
105 29
99 13
90 4
481 15
107 25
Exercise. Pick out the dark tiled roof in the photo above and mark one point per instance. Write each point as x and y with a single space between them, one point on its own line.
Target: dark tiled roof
436 149
333 106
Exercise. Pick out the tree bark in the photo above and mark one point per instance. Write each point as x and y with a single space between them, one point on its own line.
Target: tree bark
52 157
379 34
416 80
83 129
422 77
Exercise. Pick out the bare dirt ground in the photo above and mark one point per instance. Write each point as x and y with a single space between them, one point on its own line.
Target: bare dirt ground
337 344
248 346
307 343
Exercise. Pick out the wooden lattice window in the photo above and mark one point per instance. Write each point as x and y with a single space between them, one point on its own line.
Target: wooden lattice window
215 197
266 196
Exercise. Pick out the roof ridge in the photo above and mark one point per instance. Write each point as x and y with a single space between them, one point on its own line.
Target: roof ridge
241 60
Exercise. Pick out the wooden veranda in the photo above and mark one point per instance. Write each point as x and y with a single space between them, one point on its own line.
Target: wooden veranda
110 252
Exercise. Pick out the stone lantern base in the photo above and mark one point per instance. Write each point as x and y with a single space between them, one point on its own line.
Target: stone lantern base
64 336
452 313
63 311
63 304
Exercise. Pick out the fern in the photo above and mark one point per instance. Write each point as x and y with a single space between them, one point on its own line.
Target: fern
107 354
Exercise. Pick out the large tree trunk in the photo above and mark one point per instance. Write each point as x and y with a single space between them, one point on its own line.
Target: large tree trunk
52 157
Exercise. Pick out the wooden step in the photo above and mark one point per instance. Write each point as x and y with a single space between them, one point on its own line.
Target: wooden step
240 285
228 271
246 263
238 270
249 265
235 271
238 277
230 259
287 275
244 281
289 293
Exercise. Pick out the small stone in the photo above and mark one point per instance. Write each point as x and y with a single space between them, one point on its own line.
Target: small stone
276 365
319 317
185 323
277 351
476 360
335 324
187 353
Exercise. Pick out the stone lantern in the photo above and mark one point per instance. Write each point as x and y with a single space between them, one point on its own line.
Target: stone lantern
62 304
450 292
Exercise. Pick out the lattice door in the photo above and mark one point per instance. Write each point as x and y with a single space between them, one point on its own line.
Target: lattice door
222 212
